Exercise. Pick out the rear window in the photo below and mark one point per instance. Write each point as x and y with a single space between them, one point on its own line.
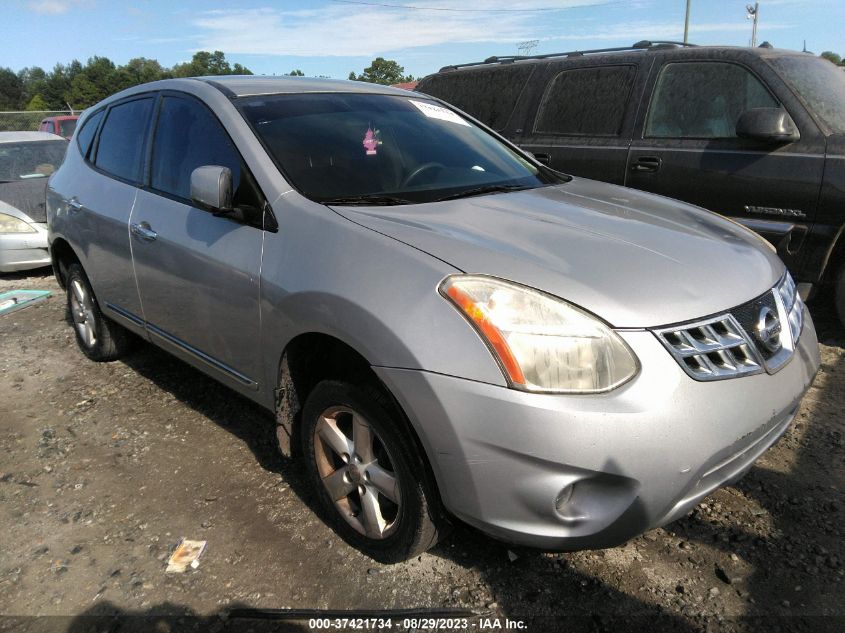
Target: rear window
86 133
67 126
586 101
120 149
490 95
820 83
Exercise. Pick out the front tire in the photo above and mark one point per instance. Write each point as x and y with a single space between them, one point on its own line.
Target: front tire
369 477
99 338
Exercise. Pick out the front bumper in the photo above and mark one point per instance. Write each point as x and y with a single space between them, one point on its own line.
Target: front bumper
627 461
23 251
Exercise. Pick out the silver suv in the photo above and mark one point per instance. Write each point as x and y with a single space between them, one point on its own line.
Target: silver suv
446 328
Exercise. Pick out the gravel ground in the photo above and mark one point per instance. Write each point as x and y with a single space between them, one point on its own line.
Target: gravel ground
105 466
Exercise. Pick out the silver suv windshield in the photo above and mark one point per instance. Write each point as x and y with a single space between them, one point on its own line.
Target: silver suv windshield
820 83
350 148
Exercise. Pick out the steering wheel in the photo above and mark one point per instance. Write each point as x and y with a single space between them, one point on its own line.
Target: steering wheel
420 170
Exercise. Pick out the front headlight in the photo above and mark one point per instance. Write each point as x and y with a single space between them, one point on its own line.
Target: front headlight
793 306
542 343
11 224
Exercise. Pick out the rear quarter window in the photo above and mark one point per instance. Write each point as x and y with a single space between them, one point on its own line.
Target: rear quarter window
586 101
489 94
87 132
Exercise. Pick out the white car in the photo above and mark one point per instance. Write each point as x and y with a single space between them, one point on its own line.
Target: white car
26 161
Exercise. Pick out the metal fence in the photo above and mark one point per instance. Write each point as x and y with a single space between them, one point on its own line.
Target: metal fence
27 121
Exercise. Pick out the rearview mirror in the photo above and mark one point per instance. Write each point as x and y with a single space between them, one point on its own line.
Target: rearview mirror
770 125
211 187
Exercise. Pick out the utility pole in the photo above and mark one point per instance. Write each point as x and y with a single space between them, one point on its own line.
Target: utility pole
753 14
686 23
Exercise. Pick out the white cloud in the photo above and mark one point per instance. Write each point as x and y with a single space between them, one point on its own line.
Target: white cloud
49 7
352 30
348 30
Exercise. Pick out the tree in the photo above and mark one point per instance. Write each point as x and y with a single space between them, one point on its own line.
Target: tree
11 90
37 103
296 73
382 71
82 86
205 63
831 56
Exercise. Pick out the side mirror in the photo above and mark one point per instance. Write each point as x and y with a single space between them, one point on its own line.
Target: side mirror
211 188
770 125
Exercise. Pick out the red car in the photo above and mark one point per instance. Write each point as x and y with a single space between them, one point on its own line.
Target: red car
61 125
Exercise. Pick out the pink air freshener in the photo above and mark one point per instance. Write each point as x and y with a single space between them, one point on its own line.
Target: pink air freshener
370 142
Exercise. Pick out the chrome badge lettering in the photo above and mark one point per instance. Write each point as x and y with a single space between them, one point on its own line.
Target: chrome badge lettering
790 213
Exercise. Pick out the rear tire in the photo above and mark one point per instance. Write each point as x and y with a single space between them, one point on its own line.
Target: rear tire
369 477
99 338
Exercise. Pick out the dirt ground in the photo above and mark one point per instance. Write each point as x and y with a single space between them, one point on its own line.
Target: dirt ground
103 467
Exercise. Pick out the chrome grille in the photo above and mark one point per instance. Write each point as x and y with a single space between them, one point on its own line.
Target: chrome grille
712 349
729 345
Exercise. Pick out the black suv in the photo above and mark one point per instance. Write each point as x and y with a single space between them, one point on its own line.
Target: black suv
754 134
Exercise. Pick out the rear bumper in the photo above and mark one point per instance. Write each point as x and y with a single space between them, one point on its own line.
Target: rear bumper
619 463
23 251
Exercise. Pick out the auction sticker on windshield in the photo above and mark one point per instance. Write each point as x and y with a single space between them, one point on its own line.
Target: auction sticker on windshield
437 112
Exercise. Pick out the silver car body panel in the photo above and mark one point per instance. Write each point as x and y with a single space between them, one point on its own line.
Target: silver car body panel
229 298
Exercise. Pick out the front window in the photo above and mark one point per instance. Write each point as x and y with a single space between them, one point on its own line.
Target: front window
703 100
347 148
820 83
32 159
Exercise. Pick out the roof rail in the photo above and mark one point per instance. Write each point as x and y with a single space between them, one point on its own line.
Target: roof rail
509 59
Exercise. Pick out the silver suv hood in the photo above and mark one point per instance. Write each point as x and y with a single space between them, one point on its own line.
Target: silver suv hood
634 259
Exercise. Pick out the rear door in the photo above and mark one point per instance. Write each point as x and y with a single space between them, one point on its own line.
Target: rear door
687 148
198 274
583 115
100 203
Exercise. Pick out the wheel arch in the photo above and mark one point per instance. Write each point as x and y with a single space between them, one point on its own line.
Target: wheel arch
62 256
312 357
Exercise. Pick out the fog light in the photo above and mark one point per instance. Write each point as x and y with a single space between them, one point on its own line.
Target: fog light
563 498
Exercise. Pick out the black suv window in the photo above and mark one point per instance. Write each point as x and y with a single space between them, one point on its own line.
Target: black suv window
703 100
490 95
586 101
188 136
120 150
87 132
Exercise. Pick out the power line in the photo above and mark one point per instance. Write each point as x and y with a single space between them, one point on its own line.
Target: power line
415 8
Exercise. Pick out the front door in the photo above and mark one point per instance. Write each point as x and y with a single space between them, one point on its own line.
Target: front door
198 274
686 147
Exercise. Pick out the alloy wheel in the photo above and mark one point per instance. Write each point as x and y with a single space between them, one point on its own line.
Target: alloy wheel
357 472
82 311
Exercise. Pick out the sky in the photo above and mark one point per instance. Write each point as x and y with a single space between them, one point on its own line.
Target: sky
333 37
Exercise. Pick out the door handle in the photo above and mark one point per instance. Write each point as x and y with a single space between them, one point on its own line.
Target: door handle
74 205
143 231
647 164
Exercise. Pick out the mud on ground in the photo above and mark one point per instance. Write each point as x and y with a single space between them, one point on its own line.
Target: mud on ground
103 467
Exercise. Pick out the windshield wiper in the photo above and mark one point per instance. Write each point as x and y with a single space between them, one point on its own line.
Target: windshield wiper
477 191
368 200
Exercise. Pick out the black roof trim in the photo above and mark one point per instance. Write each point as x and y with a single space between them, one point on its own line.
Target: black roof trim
638 46
225 90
